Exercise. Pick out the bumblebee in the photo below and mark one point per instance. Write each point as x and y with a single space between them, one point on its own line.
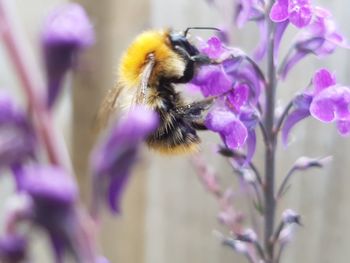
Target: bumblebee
148 73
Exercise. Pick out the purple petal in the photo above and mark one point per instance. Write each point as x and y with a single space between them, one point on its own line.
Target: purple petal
49 184
300 15
250 117
213 48
322 110
115 192
235 134
330 104
68 25
261 49
239 96
292 119
66 31
310 45
219 118
213 81
280 29
302 101
343 127
323 79
290 62
13 249
115 155
251 146
243 12
279 11
17 136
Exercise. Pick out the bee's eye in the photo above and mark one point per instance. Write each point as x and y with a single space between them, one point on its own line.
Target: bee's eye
179 40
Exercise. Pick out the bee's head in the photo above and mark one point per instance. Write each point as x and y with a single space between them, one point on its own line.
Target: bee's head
180 42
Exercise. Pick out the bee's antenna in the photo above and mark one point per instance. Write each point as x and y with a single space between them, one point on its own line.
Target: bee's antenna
200 28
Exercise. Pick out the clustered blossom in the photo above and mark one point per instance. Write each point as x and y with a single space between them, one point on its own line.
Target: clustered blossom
237 85
66 31
327 102
113 158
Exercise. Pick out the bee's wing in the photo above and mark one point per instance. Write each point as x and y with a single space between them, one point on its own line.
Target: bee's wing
107 108
141 93
109 104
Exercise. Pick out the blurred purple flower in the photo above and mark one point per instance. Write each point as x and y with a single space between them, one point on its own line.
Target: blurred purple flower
114 157
328 102
66 31
297 12
320 37
49 186
289 216
53 208
248 10
13 248
54 195
17 137
253 10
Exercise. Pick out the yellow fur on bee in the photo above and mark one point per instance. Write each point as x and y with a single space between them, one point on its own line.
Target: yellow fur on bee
134 59
179 149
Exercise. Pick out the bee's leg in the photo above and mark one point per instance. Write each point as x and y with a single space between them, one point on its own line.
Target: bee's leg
199 125
193 112
199 58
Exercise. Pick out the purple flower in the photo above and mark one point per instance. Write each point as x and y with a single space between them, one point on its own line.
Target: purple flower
238 83
227 124
253 10
238 97
66 31
13 248
248 10
213 81
114 157
320 37
17 137
236 69
53 208
328 102
289 216
297 12
49 185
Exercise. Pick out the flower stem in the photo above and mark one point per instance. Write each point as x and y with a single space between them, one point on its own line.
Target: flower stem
270 148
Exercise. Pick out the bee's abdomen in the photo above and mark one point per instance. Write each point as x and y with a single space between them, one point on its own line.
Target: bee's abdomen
175 134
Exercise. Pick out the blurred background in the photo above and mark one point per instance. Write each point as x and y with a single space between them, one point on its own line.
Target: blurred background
167 215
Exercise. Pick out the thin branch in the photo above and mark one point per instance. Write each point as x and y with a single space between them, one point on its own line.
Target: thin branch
284 183
263 132
257 69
